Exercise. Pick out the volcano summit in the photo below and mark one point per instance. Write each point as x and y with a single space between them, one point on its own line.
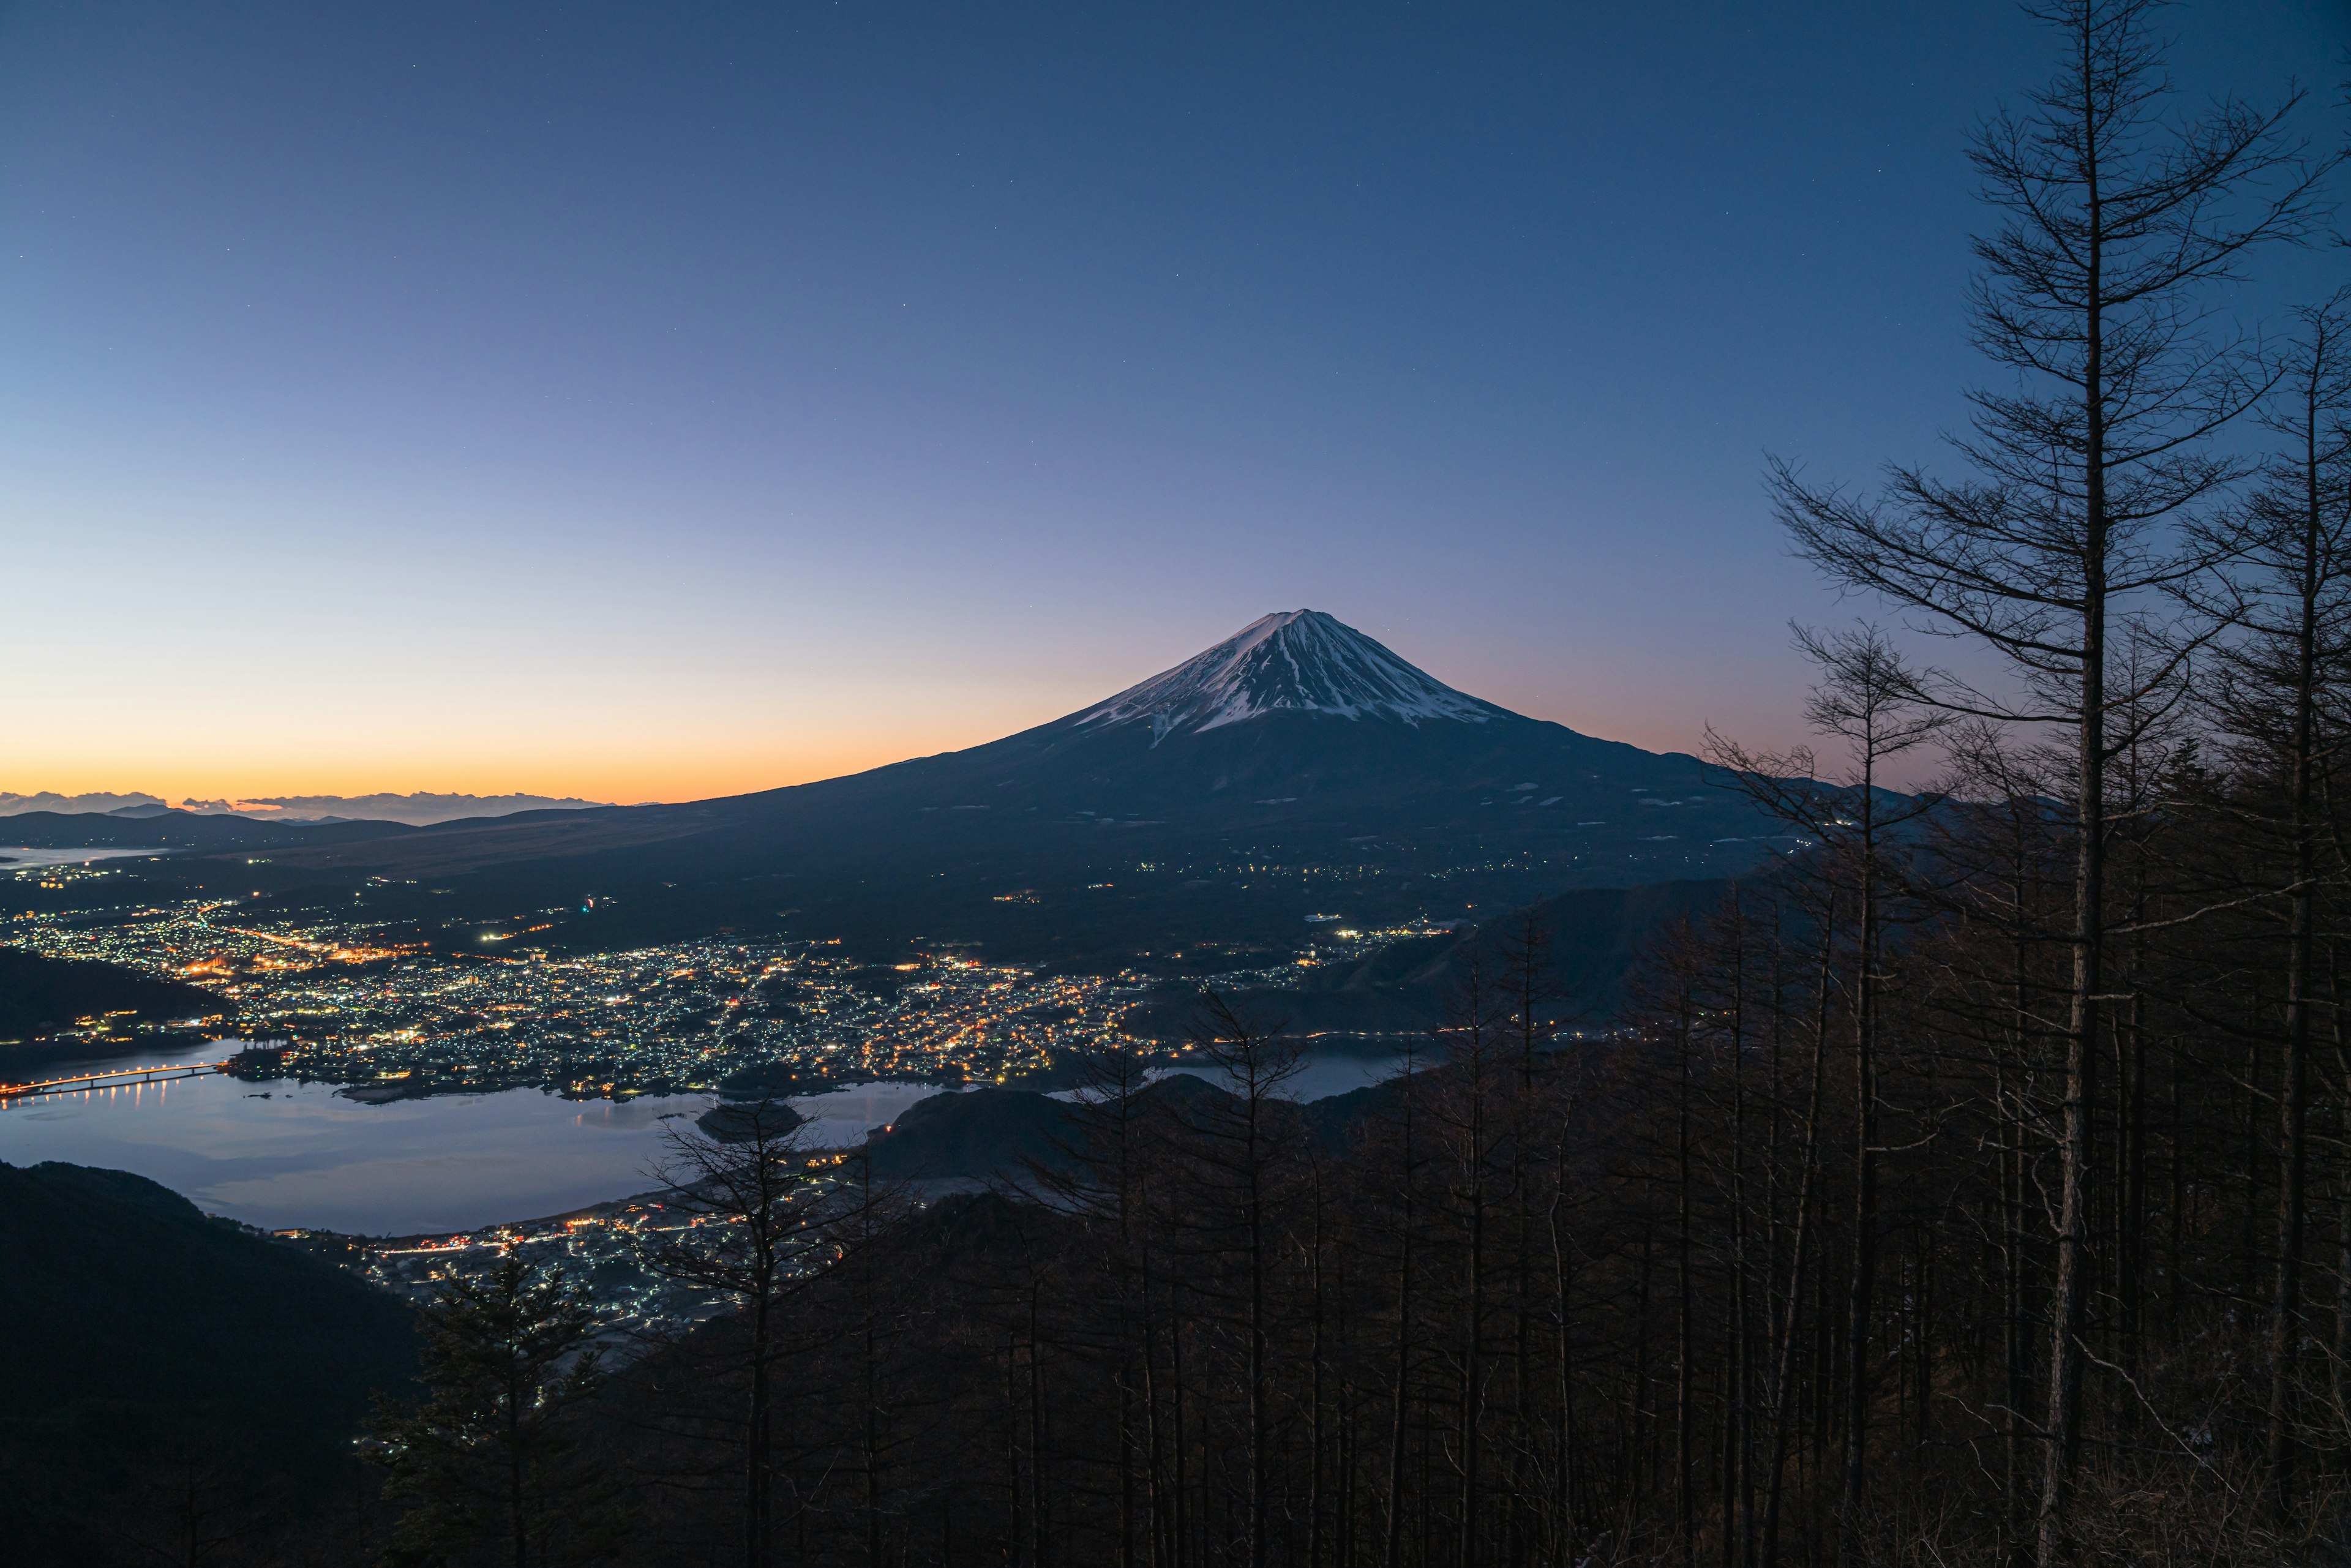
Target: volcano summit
1297 768
1294 661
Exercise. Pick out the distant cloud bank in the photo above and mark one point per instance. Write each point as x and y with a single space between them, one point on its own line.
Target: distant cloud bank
418 810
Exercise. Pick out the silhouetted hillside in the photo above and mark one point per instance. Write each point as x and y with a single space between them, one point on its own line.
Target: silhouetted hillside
40 995
733 1121
1001 1134
982 1134
1594 936
153 1350
168 829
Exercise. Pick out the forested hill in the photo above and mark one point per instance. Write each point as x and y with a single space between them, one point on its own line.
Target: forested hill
40 995
1006 1136
153 1351
1591 939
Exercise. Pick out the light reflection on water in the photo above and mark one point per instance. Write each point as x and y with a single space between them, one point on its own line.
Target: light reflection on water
840 1118
1321 1074
16 857
284 1155
281 1155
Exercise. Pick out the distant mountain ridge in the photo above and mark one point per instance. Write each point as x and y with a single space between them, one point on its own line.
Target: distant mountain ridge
175 831
417 810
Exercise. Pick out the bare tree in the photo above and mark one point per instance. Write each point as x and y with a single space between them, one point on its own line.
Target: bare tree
1869 699
2274 694
1103 1176
197 1514
1241 1149
756 1217
490 1458
2117 217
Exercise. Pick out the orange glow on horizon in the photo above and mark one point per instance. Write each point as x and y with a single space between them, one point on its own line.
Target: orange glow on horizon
631 772
626 778
634 752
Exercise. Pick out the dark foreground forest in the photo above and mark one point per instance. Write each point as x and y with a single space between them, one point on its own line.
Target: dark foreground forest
1975 1187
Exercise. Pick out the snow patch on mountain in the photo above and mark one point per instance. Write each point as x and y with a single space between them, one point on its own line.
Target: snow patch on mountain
1296 661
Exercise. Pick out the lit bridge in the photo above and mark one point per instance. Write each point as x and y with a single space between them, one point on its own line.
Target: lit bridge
121 1078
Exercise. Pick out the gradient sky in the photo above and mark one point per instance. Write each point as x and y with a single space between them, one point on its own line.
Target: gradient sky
658 402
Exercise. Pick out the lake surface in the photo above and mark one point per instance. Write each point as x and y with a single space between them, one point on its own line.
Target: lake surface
281 1155
840 1119
15 857
285 1154
1322 1073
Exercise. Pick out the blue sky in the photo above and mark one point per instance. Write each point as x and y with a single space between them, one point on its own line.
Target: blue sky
641 402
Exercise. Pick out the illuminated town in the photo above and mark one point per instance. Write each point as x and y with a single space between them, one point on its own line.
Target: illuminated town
603 1248
393 1015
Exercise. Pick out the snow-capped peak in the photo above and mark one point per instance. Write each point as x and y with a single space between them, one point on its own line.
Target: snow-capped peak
1293 660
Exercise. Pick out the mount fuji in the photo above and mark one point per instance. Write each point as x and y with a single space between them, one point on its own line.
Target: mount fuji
1296 768
1295 661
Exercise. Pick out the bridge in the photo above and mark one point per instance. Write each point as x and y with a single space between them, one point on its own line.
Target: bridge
119 1078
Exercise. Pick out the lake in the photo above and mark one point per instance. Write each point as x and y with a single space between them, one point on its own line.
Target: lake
1323 1073
17 857
282 1155
285 1155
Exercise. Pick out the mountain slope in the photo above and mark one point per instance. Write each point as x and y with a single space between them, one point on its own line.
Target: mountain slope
1296 768
1296 661
1593 936
155 1349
